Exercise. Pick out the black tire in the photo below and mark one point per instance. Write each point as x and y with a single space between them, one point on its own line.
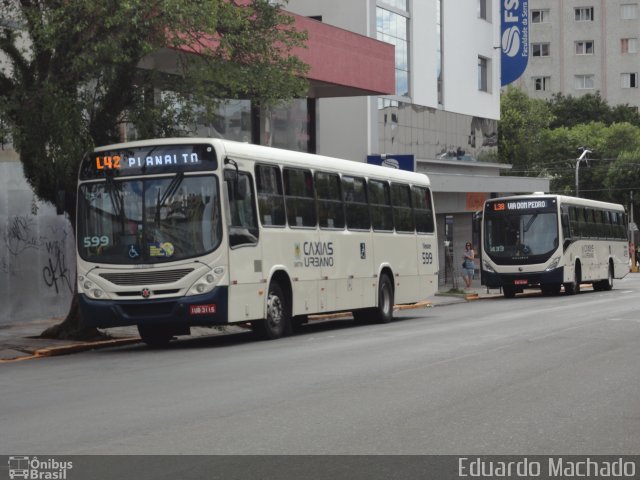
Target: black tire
155 336
383 313
508 292
605 285
574 287
550 289
278 318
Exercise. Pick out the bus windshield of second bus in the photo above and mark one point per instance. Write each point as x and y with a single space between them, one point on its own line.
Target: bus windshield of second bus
518 230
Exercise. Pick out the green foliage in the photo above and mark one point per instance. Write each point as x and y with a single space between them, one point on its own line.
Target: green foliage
522 126
570 111
77 71
544 140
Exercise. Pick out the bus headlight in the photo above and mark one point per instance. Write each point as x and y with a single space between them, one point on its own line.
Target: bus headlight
553 265
207 282
90 289
487 268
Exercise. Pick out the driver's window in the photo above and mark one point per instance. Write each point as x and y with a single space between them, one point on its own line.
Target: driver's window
242 221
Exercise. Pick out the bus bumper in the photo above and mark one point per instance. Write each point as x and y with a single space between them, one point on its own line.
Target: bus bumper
197 310
522 280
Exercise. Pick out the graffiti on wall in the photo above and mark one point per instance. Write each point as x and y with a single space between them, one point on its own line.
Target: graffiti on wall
24 243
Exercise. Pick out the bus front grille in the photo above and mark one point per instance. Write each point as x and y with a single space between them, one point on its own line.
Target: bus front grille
146 278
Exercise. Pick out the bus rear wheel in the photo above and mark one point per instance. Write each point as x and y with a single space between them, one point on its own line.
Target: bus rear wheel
277 320
384 312
605 285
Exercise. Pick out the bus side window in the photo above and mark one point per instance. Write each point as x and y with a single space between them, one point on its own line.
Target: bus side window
422 209
299 197
402 214
357 206
330 204
270 195
380 203
243 226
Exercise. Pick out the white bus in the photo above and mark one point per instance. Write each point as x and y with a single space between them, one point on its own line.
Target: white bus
174 233
548 241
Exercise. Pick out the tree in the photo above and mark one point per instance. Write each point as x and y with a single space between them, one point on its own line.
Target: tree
72 76
521 130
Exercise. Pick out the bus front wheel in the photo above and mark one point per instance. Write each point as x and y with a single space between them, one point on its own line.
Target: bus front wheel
277 320
155 336
574 287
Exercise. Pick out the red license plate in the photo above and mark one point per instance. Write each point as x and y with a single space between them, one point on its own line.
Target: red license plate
202 309
520 282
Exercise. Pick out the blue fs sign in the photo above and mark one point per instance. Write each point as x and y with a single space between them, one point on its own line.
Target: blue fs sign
515 39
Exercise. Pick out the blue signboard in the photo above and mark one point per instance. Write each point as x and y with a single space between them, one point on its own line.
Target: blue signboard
402 162
514 16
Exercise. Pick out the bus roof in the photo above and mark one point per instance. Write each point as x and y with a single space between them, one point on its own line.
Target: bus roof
248 151
564 199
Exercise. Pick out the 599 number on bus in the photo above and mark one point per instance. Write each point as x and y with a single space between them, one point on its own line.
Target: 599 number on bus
427 258
96 241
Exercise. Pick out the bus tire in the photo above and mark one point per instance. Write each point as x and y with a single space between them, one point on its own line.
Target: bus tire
383 313
573 288
277 321
550 289
508 292
155 336
605 285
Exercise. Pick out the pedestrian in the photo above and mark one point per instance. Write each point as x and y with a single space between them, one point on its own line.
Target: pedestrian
468 265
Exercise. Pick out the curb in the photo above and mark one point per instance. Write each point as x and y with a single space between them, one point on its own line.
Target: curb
73 348
86 346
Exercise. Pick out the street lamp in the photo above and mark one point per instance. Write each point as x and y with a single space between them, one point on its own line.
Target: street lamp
583 156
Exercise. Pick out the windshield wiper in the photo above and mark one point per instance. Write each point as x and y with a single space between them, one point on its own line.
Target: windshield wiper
530 222
115 195
171 189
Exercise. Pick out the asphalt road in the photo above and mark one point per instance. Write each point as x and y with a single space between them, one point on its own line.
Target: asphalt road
530 375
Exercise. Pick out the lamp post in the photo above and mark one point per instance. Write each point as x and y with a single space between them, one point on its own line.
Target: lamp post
583 156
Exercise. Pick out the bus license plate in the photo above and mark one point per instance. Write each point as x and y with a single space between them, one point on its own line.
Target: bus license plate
202 309
520 282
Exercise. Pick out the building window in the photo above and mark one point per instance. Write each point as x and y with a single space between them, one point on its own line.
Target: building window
628 45
483 74
629 80
629 11
541 84
540 49
393 28
584 47
584 82
484 9
584 14
540 16
399 4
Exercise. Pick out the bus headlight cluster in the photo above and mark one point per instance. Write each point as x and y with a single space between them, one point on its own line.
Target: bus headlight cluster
207 282
553 265
89 288
486 267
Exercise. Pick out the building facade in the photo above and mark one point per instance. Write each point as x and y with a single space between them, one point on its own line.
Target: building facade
579 47
445 109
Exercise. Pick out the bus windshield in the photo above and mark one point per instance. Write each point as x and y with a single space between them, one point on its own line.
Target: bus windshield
520 236
150 220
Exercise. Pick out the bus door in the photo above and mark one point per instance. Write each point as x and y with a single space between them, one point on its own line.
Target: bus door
246 285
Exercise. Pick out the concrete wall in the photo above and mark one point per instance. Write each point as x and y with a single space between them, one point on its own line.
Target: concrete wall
37 253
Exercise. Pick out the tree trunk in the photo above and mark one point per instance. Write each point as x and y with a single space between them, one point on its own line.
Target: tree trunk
72 327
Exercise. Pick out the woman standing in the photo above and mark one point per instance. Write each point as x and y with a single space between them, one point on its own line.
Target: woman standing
468 265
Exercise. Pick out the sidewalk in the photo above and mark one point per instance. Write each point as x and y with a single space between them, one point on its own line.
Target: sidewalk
22 341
